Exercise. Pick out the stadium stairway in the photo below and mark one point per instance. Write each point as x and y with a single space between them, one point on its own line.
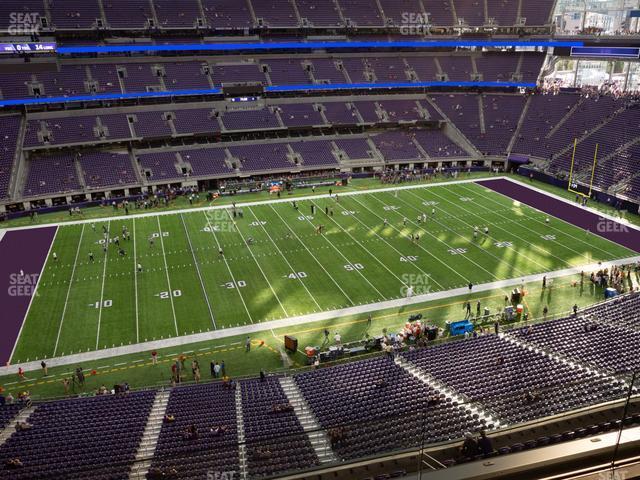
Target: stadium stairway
243 465
521 122
317 436
490 418
454 133
23 416
149 440
556 356
586 135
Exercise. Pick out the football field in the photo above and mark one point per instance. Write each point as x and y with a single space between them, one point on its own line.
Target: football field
374 246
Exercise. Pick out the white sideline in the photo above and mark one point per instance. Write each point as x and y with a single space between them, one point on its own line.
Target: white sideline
303 319
240 204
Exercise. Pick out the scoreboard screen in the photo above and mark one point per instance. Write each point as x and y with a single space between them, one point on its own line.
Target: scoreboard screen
606 52
41 47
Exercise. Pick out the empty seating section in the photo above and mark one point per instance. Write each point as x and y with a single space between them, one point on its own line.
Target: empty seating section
260 157
250 120
103 78
355 148
319 13
206 407
456 68
237 14
237 73
8 144
368 111
424 67
496 67
102 170
275 440
402 110
91 437
397 146
618 131
325 71
287 72
139 77
300 115
504 12
229 14
530 67
501 116
362 13
71 14
537 13
316 153
391 401
195 121
176 14
185 75
106 77
62 130
437 144
132 14
67 82
151 124
8 413
356 70
472 11
206 161
401 12
629 160
592 337
440 12
275 13
516 383
543 114
51 174
22 8
159 166
388 69
340 113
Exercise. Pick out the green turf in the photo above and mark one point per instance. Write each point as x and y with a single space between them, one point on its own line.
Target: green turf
288 269
136 369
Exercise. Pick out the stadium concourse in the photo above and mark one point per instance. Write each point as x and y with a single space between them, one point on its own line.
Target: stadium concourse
320 239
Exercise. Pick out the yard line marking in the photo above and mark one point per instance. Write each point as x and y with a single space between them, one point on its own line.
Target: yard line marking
257 263
436 238
602 215
498 227
398 303
233 278
166 270
104 271
475 244
312 255
135 281
347 260
35 291
195 262
285 258
371 229
66 300
362 246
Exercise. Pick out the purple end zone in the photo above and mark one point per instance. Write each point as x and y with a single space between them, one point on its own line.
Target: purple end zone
614 231
24 250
